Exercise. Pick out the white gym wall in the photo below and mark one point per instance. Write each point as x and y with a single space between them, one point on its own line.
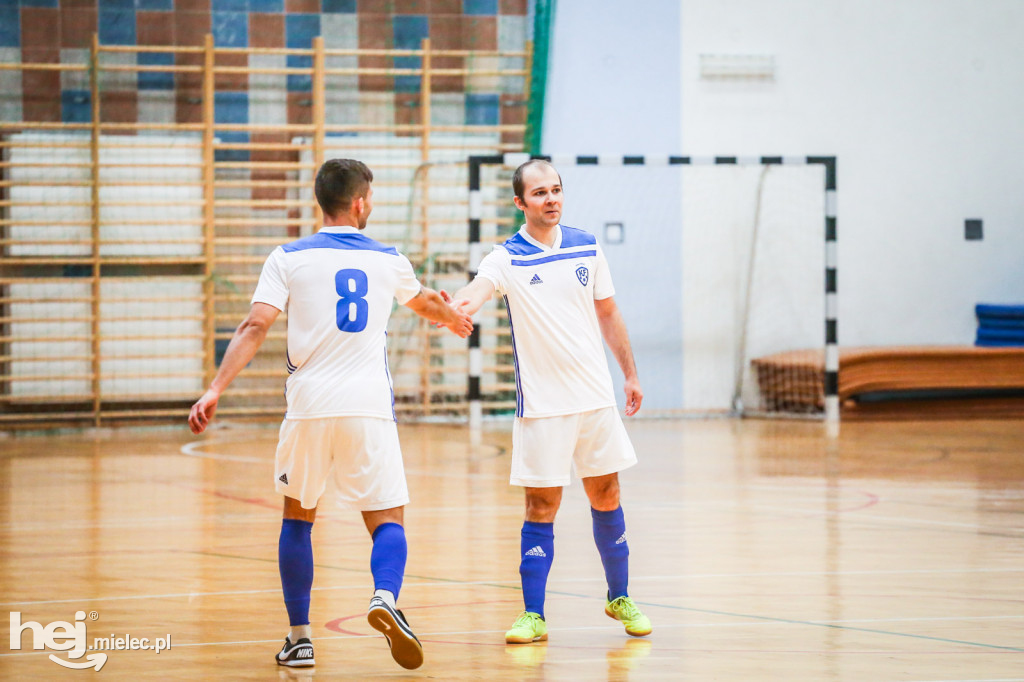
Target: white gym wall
613 89
919 100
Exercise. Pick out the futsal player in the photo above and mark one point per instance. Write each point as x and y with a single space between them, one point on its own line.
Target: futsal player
337 286
559 298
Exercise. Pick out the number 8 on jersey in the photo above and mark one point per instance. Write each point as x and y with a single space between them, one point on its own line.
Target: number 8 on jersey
352 287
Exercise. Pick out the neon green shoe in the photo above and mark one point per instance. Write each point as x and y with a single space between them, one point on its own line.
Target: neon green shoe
529 627
623 609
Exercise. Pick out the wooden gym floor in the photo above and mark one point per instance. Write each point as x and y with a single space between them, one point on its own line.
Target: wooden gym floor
761 550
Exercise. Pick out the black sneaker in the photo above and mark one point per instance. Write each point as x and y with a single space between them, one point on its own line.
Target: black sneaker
298 655
405 648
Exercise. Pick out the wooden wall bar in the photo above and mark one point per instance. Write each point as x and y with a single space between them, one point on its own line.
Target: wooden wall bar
129 248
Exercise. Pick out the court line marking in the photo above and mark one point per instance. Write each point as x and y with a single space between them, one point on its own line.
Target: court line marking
192 449
497 582
426 637
789 510
1000 679
585 628
785 512
22 527
766 619
866 520
835 626
758 622
893 519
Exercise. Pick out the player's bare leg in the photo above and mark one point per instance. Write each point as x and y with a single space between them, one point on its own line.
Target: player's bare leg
603 491
542 504
293 509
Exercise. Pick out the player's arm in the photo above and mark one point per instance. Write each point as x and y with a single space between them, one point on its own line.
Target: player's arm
613 329
430 305
246 341
472 297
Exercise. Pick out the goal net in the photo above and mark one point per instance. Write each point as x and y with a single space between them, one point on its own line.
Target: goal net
754 288
720 273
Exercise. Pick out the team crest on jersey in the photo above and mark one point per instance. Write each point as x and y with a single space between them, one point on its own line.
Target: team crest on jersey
583 274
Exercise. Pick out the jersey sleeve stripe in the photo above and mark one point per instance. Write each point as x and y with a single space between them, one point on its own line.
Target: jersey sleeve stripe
387 370
557 256
515 360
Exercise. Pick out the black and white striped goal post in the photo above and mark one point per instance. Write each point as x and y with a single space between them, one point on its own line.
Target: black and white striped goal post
514 160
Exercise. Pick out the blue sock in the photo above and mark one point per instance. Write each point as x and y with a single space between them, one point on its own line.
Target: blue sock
610 537
387 559
538 550
295 560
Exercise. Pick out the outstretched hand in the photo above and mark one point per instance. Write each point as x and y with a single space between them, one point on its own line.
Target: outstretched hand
446 297
463 326
457 304
634 396
202 412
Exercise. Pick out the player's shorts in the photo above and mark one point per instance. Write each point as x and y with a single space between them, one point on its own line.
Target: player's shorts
361 454
595 443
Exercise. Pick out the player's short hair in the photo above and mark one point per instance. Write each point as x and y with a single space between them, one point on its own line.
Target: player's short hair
339 182
517 177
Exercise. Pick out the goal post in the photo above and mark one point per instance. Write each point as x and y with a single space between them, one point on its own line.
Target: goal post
773 375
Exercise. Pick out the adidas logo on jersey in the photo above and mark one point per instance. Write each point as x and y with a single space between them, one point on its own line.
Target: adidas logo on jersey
622 538
283 478
535 551
536 279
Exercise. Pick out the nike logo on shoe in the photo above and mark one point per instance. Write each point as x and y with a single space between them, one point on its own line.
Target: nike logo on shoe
297 655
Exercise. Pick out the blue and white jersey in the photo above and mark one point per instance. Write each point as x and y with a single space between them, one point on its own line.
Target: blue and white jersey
556 339
337 286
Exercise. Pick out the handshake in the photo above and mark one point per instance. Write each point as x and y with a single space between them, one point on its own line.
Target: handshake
452 315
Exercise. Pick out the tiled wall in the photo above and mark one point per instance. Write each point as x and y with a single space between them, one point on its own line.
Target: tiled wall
54 31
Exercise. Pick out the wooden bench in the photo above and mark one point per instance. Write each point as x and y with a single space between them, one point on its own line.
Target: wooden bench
912 382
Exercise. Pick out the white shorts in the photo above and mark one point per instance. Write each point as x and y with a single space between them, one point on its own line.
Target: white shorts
362 453
594 442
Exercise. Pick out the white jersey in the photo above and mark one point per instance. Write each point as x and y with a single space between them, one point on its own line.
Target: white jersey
556 339
337 286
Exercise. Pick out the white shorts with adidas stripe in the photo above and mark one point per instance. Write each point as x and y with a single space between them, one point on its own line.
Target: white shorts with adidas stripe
361 454
593 443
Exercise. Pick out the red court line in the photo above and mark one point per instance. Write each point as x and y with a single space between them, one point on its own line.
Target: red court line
335 625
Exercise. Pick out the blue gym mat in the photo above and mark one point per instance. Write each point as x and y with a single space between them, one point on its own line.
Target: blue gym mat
999 325
986 310
988 334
